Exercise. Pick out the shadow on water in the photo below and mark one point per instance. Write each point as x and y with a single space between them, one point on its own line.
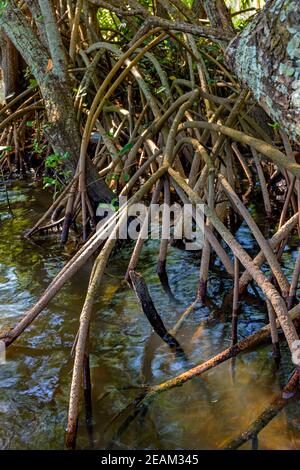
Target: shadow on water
125 355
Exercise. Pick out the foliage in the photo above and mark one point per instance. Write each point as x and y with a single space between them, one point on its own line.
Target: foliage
3 5
55 163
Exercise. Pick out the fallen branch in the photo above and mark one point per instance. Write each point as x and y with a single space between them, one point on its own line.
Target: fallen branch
150 311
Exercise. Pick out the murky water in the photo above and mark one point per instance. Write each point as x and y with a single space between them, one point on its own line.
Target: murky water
35 381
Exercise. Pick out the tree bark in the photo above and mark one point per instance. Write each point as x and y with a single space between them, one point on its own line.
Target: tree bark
266 58
10 66
218 14
198 9
49 67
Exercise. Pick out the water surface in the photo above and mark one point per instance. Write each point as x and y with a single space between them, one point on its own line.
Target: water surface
124 353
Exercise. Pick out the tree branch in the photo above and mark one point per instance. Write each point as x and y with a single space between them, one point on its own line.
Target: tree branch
54 40
122 12
209 33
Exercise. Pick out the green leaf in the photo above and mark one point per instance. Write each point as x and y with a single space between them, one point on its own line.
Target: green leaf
115 203
125 149
3 5
104 205
66 155
6 148
49 182
53 161
32 83
126 177
274 125
160 90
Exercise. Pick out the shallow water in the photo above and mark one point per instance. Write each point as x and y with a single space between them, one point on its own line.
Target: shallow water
124 354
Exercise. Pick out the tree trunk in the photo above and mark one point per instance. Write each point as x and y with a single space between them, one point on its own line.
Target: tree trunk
64 136
10 66
266 58
198 9
49 66
218 14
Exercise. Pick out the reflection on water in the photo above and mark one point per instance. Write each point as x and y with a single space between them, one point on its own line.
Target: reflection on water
35 381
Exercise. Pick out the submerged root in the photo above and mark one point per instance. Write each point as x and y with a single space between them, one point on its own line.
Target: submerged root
150 311
288 394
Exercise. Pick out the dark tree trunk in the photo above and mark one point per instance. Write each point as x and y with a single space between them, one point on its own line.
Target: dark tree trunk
198 9
10 64
64 136
266 58
218 14
161 11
